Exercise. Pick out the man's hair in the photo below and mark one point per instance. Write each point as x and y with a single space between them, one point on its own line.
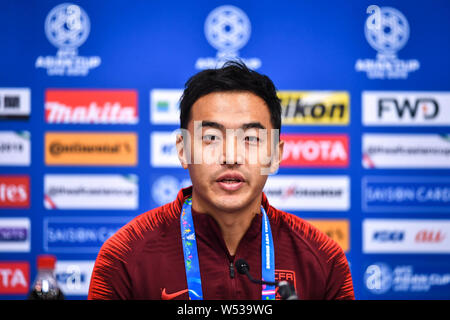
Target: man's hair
233 76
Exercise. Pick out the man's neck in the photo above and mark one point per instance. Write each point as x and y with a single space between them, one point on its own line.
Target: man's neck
233 225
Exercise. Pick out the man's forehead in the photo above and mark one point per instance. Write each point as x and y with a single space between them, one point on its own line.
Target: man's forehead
231 109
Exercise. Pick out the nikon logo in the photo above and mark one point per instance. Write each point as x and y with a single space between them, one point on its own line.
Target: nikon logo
315 107
63 148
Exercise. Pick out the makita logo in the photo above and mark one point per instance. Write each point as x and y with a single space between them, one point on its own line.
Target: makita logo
91 106
14 277
14 191
315 150
107 113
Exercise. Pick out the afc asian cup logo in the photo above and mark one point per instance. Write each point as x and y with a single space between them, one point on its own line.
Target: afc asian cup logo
165 188
67 26
227 29
378 278
387 32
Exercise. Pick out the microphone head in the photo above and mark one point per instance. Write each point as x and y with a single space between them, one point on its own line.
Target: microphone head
242 266
287 291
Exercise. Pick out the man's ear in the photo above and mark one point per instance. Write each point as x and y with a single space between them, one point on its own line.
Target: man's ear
277 157
183 154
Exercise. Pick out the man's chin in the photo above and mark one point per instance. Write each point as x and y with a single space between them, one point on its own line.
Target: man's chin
231 203
218 199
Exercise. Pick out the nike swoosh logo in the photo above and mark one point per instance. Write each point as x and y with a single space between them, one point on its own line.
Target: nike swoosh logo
171 296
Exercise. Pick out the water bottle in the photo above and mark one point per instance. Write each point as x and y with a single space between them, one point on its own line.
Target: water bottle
45 286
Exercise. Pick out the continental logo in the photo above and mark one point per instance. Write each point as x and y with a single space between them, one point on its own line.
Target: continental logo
115 149
315 107
338 230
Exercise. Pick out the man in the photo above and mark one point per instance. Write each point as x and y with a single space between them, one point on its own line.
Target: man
230 121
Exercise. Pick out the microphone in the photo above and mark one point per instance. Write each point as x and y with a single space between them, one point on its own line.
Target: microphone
285 289
243 268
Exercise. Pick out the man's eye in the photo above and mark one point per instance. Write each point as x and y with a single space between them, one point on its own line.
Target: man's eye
210 138
252 139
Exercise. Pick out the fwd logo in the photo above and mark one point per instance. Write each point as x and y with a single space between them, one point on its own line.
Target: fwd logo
426 108
405 108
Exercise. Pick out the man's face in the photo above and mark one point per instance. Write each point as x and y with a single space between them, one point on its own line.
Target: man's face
231 150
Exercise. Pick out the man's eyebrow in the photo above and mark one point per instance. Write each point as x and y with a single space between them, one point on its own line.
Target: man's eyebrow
251 125
245 126
212 124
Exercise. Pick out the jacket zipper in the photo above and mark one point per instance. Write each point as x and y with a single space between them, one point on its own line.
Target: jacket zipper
233 279
231 270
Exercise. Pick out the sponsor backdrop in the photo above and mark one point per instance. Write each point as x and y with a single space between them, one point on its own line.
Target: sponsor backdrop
89 95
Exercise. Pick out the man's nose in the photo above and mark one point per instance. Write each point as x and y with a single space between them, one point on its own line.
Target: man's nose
233 150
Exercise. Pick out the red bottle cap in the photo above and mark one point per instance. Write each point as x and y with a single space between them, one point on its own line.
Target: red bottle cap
46 261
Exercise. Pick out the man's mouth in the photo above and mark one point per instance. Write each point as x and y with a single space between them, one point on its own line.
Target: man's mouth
230 181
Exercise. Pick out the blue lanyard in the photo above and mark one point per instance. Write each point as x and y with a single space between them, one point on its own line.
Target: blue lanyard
192 266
